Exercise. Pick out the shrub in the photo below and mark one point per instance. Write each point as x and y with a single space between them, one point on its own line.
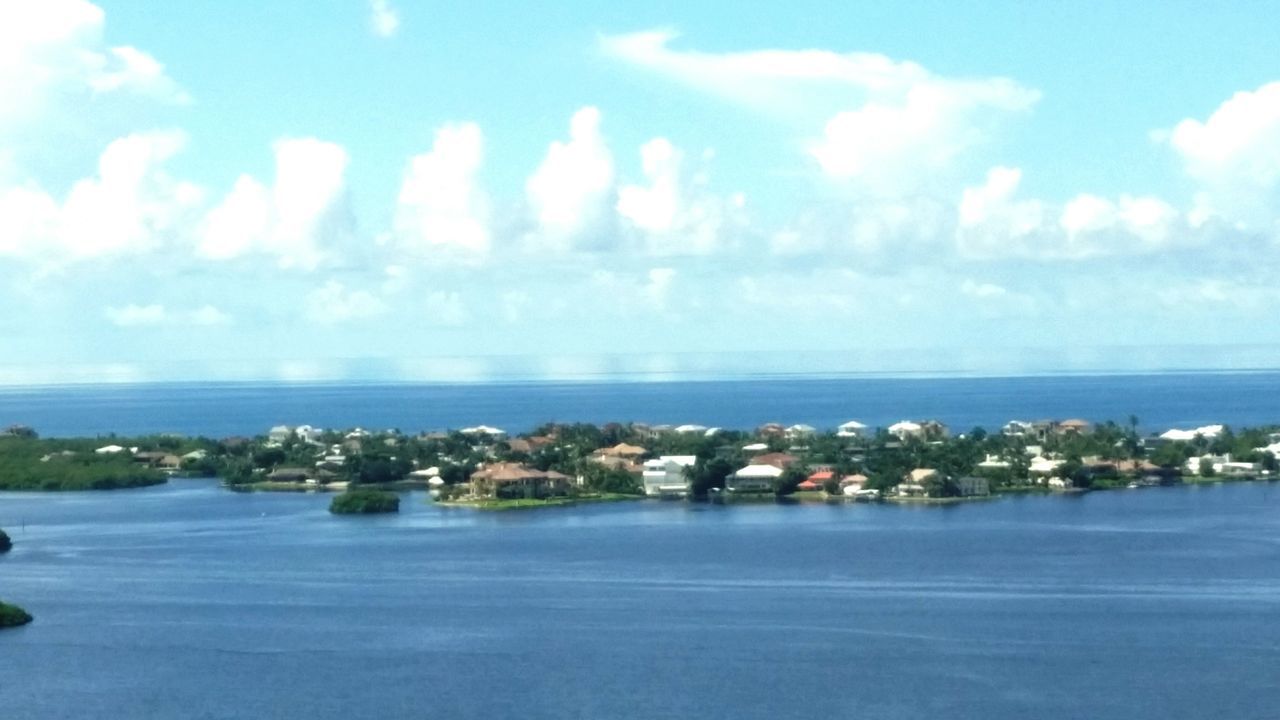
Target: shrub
5 543
363 502
13 616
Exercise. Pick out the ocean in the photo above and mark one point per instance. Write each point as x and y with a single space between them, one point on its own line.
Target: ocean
1159 401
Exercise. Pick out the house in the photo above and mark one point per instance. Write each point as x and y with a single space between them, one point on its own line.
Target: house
927 430
149 458
851 429
906 429
1042 466
1017 428
817 480
771 430
308 434
513 480
621 450
279 434
483 430
972 486
755 447
1074 427
665 475
109 450
782 461
286 474
519 445
1208 432
691 429
994 462
753 478
196 455
1057 483
19 431
800 431
913 483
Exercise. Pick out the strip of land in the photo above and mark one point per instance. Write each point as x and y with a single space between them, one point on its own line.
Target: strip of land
485 467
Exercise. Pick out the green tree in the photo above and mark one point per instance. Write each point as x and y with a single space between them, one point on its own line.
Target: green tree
787 483
5 543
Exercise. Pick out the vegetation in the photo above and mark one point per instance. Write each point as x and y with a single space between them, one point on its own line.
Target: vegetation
5 543
364 501
33 464
13 616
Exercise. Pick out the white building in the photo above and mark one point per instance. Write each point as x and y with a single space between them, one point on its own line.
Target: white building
665 475
279 434
906 429
1208 432
851 429
109 450
753 478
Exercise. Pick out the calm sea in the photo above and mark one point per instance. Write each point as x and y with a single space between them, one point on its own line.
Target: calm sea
1159 401
188 601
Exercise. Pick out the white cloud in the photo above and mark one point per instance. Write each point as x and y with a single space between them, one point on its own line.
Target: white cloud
993 224
442 214
512 305
888 125
130 206
982 290
674 214
208 315
136 315
290 221
53 62
1235 156
384 20
572 189
333 303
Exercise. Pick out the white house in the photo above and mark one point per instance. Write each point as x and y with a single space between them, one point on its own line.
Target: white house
906 429
308 434
109 450
800 430
994 462
483 430
753 478
755 447
665 475
279 434
851 429
1016 428
1208 432
1041 465
690 429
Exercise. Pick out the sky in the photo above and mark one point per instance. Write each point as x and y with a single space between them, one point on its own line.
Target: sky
395 189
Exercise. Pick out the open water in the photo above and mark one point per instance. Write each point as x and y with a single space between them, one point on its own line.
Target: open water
189 601
1160 401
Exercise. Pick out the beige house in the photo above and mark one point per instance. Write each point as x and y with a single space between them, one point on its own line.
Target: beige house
512 480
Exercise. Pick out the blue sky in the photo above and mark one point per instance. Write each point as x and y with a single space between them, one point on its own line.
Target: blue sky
395 189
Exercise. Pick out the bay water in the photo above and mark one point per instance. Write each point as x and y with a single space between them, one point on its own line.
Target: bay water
190 601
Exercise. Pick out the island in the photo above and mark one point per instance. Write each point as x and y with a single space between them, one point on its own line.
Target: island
364 502
485 467
13 616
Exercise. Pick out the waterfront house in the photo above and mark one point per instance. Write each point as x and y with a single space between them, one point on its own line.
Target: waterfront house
972 486
782 461
513 480
851 429
753 478
1208 432
664 476
279 434
288 474
1042 466
913 483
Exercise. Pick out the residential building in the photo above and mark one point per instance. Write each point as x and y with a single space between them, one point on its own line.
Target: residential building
513 480
753 478
851 429
665 475
973 486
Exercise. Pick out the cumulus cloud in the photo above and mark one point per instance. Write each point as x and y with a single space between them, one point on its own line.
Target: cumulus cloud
291 220
134 315
333 303
674 213
57 75
1235 156
571 191
384 20
130 206
994 223
442 213
887 124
